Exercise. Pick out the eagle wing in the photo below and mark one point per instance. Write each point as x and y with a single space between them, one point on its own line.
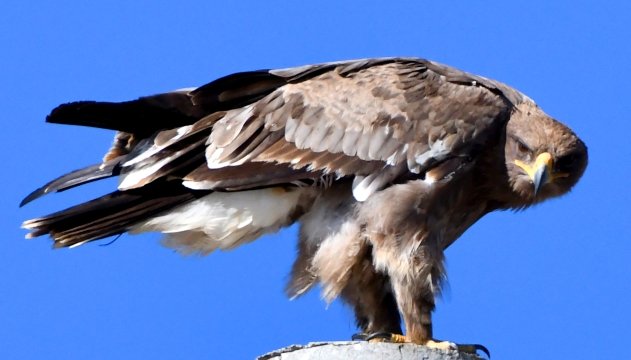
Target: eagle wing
373 122
370 120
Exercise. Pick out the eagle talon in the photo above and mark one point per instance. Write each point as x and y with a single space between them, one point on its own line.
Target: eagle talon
359 337
465 348
473 349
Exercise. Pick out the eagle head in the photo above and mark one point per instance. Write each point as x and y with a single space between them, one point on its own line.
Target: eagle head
544 158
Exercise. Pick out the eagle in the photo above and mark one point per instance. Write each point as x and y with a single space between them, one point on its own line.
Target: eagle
383 162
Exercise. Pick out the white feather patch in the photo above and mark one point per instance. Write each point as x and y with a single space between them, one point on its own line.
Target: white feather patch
131 179
364 186
186 89
436 150
212 159
199 185
361 190
390 159
155 149
223 220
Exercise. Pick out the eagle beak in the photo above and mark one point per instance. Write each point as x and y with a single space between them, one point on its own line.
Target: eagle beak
541 172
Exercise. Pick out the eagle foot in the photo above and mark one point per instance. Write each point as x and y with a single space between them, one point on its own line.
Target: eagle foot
465 348
431 343
380 337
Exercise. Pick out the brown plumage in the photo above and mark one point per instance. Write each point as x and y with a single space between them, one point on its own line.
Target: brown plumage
384 162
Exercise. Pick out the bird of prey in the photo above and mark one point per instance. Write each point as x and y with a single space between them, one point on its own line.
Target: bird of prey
383 162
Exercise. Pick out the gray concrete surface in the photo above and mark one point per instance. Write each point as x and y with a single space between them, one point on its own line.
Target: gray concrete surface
353 350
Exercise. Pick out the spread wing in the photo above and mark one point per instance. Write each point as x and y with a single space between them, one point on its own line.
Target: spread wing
373 122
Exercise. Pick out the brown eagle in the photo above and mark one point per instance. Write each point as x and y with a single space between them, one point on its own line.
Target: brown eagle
383 162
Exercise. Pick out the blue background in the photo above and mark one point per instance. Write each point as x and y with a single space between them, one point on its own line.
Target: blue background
551 282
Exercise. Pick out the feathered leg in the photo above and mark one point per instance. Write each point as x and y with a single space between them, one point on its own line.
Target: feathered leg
407 247
415 292
416 302
370 294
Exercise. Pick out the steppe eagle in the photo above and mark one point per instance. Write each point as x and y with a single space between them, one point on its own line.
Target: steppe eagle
383 162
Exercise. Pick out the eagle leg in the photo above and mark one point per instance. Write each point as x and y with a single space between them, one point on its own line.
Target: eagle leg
369 293
416 302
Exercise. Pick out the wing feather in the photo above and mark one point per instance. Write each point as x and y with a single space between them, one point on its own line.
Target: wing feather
78 177
371 120
354 118
378 112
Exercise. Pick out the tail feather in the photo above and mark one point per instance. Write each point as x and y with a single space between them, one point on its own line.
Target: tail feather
78 177
111 214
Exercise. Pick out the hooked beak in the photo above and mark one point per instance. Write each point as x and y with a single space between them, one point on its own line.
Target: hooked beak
541 176
541 172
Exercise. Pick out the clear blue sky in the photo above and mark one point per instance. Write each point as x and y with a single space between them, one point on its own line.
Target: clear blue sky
552 282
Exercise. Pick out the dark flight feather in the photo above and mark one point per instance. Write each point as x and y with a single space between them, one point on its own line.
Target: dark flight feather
142 117
76 178
110 214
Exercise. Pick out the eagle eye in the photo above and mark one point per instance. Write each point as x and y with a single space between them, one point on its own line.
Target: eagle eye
522 148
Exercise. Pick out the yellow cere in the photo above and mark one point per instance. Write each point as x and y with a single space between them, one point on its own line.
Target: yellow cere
544 159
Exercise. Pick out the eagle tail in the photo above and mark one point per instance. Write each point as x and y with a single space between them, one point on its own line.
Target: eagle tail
109 215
